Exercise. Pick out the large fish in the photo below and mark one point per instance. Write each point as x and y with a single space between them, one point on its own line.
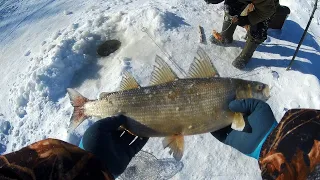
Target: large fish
172 107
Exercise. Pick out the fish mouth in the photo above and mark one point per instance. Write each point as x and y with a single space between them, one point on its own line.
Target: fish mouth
266 92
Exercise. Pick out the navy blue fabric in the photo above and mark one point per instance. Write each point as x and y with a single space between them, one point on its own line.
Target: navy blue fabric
259 122
103 140
256 153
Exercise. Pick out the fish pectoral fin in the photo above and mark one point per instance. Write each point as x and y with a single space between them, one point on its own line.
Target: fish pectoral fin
202 67
238 122
128 82
176 145
162 73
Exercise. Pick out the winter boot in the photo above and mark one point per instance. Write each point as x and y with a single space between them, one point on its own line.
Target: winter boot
228 29
242 60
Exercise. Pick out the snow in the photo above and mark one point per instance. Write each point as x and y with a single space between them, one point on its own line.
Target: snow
49 46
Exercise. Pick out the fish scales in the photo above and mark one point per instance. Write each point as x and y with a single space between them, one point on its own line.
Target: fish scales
122 99
173 107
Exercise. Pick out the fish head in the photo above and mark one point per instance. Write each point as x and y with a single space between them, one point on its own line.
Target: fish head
253 89
260 91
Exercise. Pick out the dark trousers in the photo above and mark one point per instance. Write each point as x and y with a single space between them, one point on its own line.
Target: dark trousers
258 31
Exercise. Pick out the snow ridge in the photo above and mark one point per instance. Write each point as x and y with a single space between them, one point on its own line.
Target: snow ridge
51 73
67 51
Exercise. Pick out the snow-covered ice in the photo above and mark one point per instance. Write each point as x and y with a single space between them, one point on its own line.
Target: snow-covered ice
49 46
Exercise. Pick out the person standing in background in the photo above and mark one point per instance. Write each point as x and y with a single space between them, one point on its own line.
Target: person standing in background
257 20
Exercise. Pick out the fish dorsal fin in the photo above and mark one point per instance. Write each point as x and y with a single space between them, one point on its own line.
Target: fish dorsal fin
202 67
128 82
162 73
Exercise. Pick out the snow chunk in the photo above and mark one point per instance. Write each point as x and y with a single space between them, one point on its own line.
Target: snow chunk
75 26
275 75
3 148
56 35
27 53
126 64
67 12
5 127
100 20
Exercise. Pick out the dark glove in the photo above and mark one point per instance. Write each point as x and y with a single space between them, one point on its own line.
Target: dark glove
243 20
259 120
213 1
104 141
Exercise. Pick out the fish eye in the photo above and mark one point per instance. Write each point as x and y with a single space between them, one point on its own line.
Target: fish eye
260 87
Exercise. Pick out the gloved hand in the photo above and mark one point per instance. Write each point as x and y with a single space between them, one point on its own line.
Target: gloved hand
259 123
103 140
242 21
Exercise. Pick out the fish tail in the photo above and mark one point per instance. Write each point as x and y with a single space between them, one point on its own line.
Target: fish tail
77 101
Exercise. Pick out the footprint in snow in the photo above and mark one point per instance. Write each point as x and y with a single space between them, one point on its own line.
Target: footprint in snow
126 65
5 127
67 12
5 130
275 75
27 53
3 148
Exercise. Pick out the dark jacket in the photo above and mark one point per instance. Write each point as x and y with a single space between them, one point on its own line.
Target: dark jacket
292 150
52 159
264 9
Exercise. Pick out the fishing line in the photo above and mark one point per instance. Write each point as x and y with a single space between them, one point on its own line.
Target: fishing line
227 28
260 68
250 75
145 30
149 154
170 58
231 19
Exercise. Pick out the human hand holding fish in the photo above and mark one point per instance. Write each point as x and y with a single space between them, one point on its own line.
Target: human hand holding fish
260 121
105 139
172 107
